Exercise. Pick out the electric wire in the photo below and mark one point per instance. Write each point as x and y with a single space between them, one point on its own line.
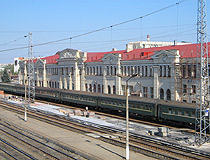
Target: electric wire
97 30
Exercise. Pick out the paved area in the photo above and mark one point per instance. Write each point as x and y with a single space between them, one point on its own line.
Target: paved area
83 143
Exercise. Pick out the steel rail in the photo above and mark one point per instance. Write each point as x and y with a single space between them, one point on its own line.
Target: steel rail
26 154
156 141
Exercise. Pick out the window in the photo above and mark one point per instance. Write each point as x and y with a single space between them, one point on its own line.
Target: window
109 90
168 93
142 70
184 71
145 71
94 88
114 90
193 101
99 88
189 70
193 89
161 93
194 71
184 88
160 71
151 92
169 71
145 92
170 111
150 68
164 71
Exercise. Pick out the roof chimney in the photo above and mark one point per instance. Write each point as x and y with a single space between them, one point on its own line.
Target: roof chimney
114 49
175 42
148 37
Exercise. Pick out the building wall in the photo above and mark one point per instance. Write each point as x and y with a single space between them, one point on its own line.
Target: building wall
165 75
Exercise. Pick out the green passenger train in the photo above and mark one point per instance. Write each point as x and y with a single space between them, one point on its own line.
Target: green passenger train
155 109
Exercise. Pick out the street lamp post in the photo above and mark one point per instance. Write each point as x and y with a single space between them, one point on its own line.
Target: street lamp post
127 116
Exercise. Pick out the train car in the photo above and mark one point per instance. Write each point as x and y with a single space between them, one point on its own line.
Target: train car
141 107
171 111
79 98
8 88
20 89
50 94
168 111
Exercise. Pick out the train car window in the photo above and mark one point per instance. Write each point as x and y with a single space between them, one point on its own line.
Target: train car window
170 111
193 114
186 113
173 111
179 112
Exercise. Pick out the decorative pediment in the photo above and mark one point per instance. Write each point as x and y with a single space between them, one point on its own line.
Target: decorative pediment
166 56
69 54
111 58
39 63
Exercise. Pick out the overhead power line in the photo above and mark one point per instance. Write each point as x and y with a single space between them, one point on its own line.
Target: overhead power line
101 29
12 41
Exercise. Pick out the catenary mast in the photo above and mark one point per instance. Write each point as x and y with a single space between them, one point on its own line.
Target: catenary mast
202 78
31 85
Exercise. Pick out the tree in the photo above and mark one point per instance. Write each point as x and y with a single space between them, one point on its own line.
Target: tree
5 77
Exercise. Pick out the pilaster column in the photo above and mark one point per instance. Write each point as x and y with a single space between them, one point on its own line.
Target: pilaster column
64 78
45 76
104 80
70 81
76 77
156 82
60 78
82 78
20 77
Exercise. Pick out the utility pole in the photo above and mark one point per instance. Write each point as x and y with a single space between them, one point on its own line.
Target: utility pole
31 85
202 78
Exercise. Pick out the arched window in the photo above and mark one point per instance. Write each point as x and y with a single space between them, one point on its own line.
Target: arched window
161 93
99 88
168 93
109 90
114 90
86 87
90 87
94 88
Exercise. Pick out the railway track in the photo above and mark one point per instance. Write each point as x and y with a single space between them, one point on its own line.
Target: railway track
142 144
32 145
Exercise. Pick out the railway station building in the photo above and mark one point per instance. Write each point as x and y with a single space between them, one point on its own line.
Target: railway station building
165 70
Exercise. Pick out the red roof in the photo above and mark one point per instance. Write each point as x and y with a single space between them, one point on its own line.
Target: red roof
185 51
51 59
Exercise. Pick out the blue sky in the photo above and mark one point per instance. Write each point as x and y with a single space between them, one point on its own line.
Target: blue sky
50 20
